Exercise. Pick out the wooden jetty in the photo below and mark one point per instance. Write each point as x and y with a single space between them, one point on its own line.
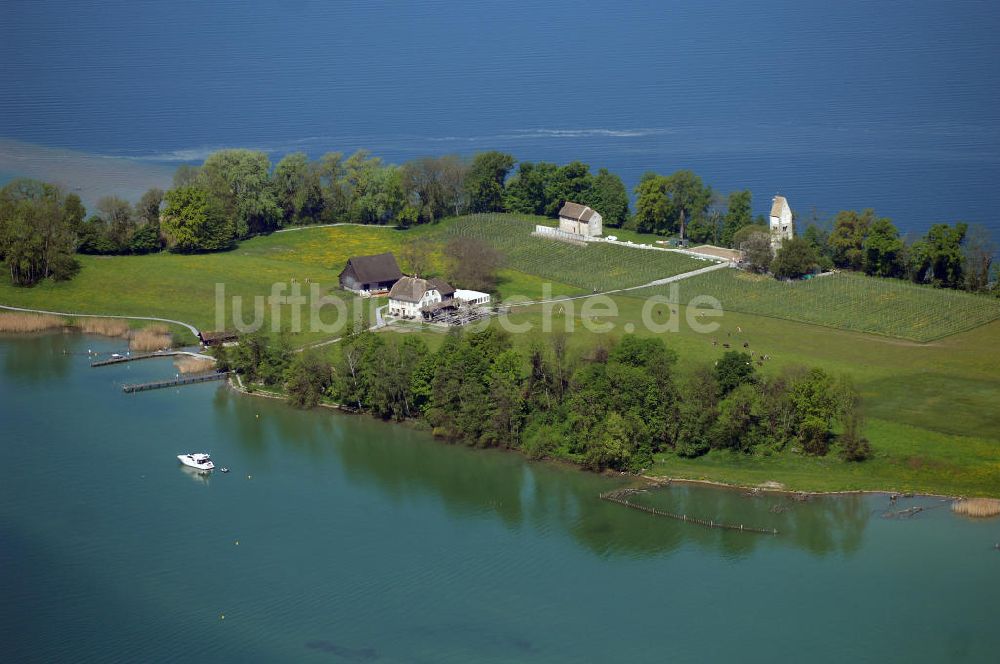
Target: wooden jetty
132 357
621 497
174 382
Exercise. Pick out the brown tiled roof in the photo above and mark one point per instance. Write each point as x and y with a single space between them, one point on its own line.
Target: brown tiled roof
374 269
576 212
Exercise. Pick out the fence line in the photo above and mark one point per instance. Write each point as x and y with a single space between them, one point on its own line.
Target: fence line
621 497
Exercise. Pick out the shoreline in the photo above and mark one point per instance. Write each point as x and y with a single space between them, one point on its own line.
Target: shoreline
663 480
235 382
651 481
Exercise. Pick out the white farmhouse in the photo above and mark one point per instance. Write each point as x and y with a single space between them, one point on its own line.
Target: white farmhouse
781 221
580 220
411 295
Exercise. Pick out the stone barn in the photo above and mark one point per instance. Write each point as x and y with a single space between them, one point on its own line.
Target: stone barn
580 220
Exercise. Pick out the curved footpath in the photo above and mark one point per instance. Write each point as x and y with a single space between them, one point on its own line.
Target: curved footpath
190 327
657 282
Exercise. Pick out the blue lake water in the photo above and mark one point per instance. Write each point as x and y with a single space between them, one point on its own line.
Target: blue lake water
891 105
338 539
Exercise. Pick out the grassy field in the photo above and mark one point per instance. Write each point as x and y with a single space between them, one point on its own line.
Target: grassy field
184 287
890 307
595 266
908 460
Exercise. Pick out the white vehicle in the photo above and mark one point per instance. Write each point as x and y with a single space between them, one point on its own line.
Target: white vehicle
198 460
117 356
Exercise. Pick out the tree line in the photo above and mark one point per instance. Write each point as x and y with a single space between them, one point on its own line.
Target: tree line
612 406
235 194
957 256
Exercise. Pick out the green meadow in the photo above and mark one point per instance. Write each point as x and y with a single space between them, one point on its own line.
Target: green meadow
848 301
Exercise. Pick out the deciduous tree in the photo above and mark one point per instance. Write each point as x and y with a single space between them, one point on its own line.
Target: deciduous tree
193 222
610 198
739 214
884 250
979 249
239 181
120 220
757 252
794 259
36 237
484 182
937 258
472 263
297 190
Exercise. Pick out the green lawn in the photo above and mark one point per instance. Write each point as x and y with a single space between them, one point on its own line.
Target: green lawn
890 307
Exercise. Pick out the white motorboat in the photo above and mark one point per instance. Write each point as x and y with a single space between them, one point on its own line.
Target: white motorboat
198 460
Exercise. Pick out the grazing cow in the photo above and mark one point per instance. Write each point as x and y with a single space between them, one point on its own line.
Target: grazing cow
725 345
746 344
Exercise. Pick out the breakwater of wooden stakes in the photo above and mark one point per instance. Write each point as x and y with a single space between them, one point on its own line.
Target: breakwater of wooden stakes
622 498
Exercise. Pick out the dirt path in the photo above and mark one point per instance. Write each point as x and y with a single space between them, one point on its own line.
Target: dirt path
657 282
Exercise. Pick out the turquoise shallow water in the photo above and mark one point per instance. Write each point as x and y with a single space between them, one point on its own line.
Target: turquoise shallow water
365 542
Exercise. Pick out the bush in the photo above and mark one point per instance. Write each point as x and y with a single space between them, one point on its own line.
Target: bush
64 267
146 240
814 436
541 440
794 259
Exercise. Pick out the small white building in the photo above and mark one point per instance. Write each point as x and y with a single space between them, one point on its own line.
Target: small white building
580 220
781 224
410 295
472 298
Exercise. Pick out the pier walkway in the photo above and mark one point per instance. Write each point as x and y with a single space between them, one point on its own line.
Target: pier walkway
174 382
131 357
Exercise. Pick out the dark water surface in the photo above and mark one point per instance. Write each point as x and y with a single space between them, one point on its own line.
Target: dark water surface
364 542
891 105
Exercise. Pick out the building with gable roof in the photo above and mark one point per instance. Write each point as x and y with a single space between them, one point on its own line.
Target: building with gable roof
370 274
580 220
411 296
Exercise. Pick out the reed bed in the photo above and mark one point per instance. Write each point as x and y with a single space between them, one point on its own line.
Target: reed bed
108 327
153 337
24 322
193 365
978 507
